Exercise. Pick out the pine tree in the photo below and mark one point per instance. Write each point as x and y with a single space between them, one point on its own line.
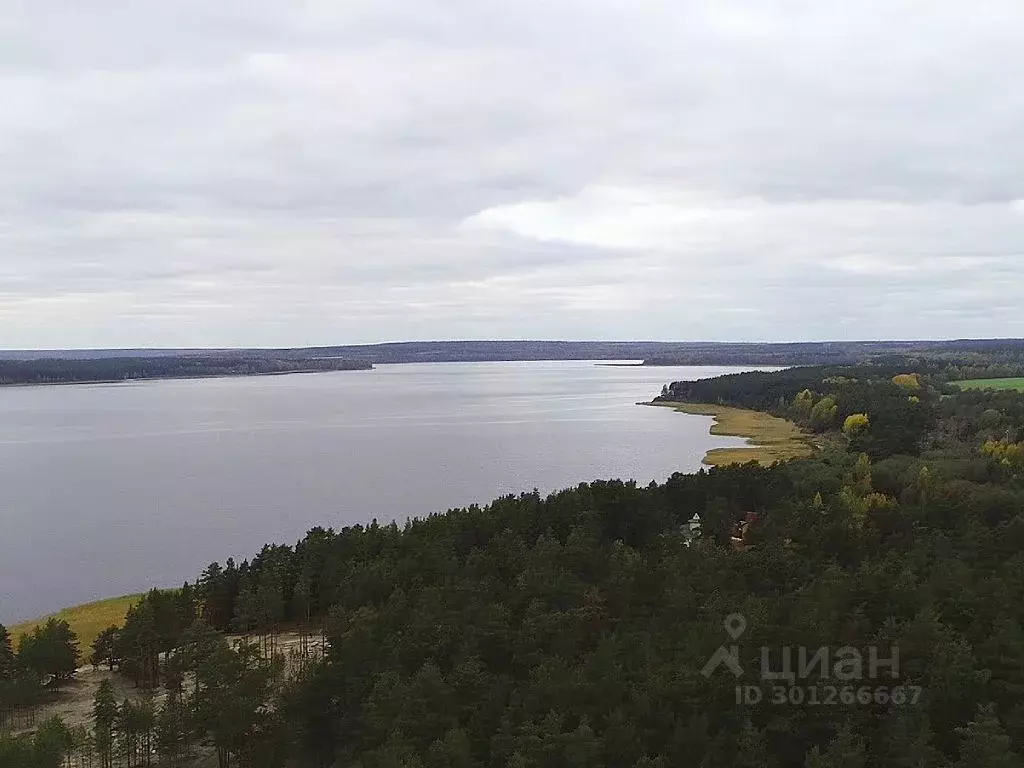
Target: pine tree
127 733
844 751
8 661
1003 655
454 751
172 728
246 613
52 743
104 718
984 743
232 688
145 724
50 651
8 676
751 751
906 741
104 648
582 748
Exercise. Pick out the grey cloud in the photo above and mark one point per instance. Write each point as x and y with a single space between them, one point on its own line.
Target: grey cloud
316 172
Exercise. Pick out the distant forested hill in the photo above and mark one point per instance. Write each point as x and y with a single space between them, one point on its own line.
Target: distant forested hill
68 371
653 352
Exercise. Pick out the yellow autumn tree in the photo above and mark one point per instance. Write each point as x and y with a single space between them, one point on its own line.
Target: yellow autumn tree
1007 453
855 424
909 381
823 414
802 404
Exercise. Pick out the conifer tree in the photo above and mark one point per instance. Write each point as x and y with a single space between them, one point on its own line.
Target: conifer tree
846 750
104 718
984 743
172 728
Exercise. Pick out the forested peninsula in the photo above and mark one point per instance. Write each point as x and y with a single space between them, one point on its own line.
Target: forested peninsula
116 369
608 624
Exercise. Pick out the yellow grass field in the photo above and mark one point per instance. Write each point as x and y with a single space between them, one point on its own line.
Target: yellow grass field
86 620
772 439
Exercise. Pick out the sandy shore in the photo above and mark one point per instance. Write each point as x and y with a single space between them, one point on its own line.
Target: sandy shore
771 438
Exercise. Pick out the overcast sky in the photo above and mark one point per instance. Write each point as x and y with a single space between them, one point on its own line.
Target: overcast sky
188 172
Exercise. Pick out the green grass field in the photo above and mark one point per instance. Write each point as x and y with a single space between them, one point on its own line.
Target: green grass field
1017 384
86 620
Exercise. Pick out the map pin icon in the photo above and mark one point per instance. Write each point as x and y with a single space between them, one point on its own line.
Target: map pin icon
735 625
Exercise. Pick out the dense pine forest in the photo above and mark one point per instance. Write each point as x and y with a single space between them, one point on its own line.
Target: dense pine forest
577 629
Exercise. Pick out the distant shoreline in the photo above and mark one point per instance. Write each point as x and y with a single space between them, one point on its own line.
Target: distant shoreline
770 438
653 353
181 377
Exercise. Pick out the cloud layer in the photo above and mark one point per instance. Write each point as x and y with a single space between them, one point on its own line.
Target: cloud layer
266 173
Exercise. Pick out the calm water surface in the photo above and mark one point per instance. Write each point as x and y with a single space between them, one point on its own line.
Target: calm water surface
111 489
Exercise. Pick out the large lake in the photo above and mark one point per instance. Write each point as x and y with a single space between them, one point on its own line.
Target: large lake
111 489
